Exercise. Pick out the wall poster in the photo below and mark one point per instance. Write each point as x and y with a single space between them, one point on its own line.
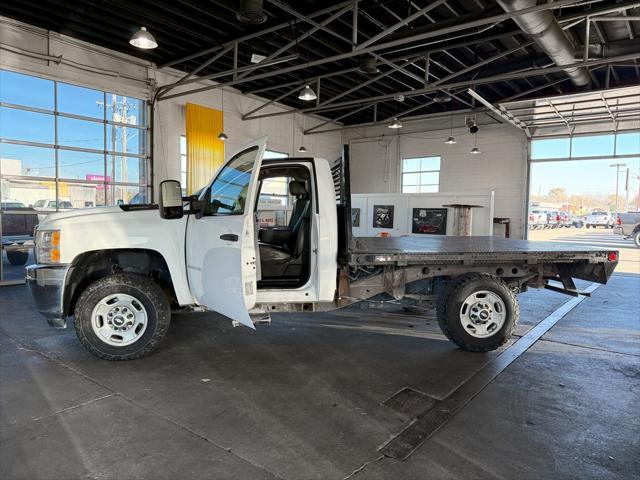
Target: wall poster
355 217
431 221
383 216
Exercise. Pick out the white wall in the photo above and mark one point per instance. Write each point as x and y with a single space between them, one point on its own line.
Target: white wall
28 49
502 166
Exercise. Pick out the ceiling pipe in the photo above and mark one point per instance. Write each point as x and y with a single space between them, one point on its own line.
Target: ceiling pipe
543 27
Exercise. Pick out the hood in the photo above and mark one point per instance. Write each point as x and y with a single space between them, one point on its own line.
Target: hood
51 220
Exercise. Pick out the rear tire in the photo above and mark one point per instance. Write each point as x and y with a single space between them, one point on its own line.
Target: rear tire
17 258
478 312
122 317
636 238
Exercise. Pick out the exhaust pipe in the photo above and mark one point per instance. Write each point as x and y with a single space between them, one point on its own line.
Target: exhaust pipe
543 28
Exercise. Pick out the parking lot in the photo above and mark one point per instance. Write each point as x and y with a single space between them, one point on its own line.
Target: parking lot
597 237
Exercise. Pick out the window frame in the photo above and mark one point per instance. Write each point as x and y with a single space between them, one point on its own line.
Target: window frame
402 173
108 154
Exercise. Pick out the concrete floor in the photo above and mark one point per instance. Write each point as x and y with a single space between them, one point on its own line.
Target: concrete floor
307 398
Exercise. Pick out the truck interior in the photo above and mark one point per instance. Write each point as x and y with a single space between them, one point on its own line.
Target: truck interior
283 211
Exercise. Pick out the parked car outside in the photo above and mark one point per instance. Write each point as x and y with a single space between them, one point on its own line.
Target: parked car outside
18 225
599 218
628 225
537 219
45 206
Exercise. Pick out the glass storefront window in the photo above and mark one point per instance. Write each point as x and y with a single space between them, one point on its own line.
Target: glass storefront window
80 133
50 160
26 126
27 161
125 139
80 101
26 90
81 165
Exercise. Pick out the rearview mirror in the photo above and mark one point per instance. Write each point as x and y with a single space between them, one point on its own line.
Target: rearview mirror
171 200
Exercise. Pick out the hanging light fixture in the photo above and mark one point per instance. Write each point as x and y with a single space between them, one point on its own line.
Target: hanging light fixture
143 39
222 136
307 94
396 123
302 148
451 140
475 150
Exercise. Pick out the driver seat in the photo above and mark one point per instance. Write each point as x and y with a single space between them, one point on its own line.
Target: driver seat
285 259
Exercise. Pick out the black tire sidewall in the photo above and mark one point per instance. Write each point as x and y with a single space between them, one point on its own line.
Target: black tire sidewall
146 292
636 238
452 304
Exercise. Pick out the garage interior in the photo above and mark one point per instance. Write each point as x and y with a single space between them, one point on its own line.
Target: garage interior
439 102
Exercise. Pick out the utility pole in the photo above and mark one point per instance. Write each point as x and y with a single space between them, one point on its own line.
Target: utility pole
617 166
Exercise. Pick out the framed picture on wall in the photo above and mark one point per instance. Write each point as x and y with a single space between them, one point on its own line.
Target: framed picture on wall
355 217
383 216
430 221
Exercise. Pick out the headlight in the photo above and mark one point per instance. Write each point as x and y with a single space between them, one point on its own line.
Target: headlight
48 246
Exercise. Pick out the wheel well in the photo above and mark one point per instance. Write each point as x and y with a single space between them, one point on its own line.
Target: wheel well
91 266
636 229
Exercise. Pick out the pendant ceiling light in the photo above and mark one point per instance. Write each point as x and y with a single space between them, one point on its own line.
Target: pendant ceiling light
307 94
451 140
222 136
396 123
143 39
302 149
475 150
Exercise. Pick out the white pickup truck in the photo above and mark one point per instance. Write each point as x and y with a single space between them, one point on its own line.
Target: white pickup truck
120 271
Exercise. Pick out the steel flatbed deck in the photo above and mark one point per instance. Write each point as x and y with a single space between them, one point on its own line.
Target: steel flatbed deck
418 250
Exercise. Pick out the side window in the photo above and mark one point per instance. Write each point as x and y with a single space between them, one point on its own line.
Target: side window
228 193
274 202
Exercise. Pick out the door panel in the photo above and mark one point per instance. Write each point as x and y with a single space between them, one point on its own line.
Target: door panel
221 252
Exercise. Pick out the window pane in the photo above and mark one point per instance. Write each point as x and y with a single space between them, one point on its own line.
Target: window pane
410 189
127 195
411 165
429 189
229 190
430 178
26 90
80 133
410 178
183 164
551 148
628 143
27 161
125 109
80 195
28 126
430 163
272 154
126 169
125 140
80 101
592 146
28 192
274 191
81 165
183 145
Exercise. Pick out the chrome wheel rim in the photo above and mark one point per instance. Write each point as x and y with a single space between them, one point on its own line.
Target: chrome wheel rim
119 319
483 314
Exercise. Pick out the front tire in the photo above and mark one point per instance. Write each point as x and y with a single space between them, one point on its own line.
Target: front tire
478 312
17 258
122 317
636 238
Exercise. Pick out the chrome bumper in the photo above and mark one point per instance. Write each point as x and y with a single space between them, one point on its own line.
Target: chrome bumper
46 283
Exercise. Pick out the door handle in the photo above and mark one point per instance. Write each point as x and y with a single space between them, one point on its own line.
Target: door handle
229 237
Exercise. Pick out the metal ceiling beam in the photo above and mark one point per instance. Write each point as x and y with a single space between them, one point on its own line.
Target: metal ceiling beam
401 23
250 36
465 83
337 119
515 121
381 46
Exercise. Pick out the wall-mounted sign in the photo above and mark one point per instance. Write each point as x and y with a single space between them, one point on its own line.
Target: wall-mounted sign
383 216
355 217
429 221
